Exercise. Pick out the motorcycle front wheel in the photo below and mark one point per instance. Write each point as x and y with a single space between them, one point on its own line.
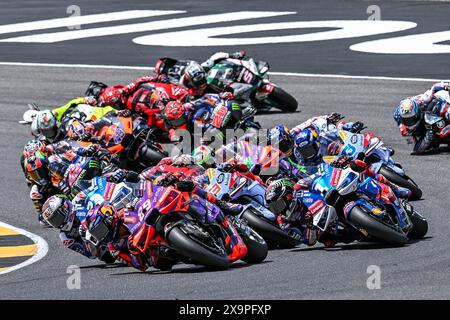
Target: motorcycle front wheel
272 234
256 247
405 182
362 220
420 226
199 253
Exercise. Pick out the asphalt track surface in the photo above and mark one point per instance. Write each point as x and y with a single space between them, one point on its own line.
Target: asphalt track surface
330 56
418 270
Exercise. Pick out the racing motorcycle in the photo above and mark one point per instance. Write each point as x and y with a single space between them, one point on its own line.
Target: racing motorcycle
127 138
435 122
235 186
362 203
379 157
186 227
249 81
213 112
246 150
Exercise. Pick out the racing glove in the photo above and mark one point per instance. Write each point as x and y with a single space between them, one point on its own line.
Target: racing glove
116 176
357 127
89 151
335 117
341 162
238 54
123 113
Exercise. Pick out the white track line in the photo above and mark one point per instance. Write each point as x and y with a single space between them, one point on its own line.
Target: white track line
289 74
41 244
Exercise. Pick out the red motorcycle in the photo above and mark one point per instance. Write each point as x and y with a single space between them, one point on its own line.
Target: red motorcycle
190 229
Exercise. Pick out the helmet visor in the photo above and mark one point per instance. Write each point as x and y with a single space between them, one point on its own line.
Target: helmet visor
308 151
99 229
279 206
58 218
409 121
176 122
49 133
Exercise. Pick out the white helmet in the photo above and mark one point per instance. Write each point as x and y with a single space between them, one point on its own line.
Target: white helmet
44 123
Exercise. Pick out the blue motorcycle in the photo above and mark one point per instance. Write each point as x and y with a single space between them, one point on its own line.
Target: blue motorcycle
362 203
234 186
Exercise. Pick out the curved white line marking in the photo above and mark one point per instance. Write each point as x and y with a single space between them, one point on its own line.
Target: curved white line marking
214 36
289 74
41 244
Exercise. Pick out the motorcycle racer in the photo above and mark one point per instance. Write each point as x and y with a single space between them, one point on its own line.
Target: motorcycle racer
182 173
285 198
58 212
52 124
409 116
142 96
107 226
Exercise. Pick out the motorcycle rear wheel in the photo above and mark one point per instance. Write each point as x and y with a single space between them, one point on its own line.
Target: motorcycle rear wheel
375 228
283 100
189 248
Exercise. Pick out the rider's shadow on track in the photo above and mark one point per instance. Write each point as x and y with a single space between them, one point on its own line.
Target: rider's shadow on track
361 246
190 269
442 150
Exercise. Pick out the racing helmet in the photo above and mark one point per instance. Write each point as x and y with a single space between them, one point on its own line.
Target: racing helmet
334 148
279 195
45 123
173 114
409 113
95 89
58 212
75 128
35 166
32 146
57 167
203 155
281 134
112 96
102 222
306 144
195 76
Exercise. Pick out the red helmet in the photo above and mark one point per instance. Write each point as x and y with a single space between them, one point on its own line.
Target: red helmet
158 97
174 113
112 96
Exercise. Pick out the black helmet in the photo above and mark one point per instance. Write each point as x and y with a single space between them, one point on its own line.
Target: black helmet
58 212
195 75
279 195
94 89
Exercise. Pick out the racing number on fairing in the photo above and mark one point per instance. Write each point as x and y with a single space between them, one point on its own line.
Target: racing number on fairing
146 206
247 76
219 116
215 189
349 150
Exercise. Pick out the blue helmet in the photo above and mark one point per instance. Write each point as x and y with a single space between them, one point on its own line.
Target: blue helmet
409 113
307 144
283 137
